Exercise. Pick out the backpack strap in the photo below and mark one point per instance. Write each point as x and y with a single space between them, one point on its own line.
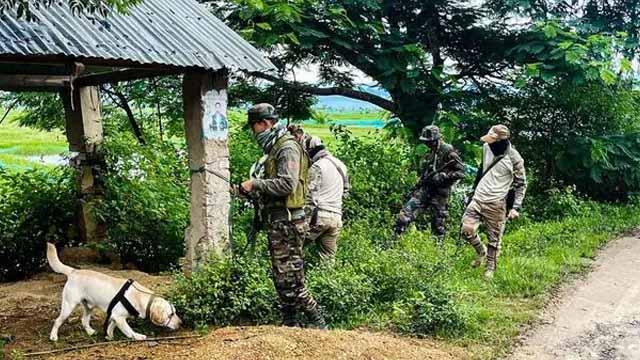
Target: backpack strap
481 175
345 178
120 298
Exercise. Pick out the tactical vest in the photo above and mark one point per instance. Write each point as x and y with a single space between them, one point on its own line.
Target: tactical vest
295 200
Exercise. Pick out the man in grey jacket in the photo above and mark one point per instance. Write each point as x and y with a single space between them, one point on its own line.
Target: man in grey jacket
328 184
502 170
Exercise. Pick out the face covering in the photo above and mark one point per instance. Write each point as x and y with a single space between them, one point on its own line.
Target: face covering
499 148
267 138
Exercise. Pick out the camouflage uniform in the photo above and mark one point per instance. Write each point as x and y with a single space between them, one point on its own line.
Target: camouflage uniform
282 190
435 190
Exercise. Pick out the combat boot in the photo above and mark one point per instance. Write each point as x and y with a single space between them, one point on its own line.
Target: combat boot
481 253
492 259
489 274
316 320
289 316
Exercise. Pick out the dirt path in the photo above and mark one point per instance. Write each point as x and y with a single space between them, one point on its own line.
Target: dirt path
598 317
28 308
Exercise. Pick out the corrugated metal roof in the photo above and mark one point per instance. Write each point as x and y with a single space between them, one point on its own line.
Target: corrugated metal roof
168 32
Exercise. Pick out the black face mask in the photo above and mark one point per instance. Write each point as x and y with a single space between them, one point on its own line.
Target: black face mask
499 148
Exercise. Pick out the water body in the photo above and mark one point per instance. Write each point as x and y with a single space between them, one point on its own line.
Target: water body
359 123
49 160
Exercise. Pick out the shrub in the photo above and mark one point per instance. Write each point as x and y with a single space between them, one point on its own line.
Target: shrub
146 202
37 206
222 292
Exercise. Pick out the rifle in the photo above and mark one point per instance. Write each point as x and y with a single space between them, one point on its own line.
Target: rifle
424 179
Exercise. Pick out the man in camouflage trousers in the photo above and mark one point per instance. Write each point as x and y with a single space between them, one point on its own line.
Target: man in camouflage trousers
281 189
328 184
500 178
441 171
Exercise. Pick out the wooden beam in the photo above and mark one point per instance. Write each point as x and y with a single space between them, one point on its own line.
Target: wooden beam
113 77
24 82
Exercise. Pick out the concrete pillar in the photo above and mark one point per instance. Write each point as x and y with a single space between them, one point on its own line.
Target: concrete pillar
84 133
206 126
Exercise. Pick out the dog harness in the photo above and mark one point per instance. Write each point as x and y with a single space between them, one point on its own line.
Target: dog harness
121 299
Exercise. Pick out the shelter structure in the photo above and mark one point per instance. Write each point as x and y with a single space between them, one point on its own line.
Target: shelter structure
73 54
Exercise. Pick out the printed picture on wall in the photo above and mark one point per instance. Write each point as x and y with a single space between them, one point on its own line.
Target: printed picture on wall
215 125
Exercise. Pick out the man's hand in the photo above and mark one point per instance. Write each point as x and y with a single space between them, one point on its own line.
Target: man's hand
247 186
514 214
438 179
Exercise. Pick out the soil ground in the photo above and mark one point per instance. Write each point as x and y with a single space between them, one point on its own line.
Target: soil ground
28 308
598 316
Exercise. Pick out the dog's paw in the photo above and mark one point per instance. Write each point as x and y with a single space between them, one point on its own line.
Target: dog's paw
90 332
139 337
53 337
109 338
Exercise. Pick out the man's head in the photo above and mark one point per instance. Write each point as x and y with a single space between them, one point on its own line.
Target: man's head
496 133
261 117
430 136
297 131
315 147
498 139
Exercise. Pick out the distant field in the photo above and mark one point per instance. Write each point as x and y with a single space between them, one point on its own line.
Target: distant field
23 147
372 115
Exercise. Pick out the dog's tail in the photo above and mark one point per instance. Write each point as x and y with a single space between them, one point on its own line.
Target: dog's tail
54 262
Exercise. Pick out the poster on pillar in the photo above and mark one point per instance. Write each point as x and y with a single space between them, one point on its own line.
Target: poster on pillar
215 125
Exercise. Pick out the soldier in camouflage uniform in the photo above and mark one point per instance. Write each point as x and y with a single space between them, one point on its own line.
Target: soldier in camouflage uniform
442 170
282 190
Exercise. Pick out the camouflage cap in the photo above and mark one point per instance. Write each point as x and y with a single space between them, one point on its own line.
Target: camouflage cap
260 112
496 133
430 133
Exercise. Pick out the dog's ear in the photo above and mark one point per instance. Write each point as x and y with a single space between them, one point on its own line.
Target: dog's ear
157 313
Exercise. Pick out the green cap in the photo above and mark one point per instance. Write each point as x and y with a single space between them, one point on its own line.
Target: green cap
261 112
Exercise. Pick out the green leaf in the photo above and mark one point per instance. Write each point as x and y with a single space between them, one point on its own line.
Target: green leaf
550 31
608 76
264 26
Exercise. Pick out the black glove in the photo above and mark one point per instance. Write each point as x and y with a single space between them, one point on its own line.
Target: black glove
438 179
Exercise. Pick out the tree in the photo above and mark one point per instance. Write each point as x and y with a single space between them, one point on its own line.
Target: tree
24 8
427 52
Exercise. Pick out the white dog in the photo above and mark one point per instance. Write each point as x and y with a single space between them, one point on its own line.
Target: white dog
93 289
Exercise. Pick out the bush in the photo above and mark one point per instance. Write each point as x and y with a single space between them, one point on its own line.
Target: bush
236 290
146 202
37 206
606 167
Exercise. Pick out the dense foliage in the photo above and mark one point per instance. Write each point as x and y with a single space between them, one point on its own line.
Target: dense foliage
425 54
37 206
146 202
606 166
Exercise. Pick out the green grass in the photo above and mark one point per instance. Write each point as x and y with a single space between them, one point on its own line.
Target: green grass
324 132
17 144
536 258
373 115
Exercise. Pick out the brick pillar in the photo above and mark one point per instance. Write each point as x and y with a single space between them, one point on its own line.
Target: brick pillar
206 126
84 134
